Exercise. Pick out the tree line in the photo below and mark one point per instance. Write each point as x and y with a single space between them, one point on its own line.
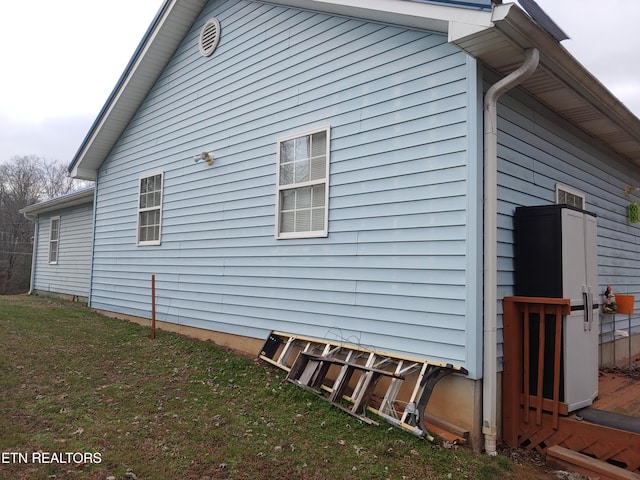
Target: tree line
25 180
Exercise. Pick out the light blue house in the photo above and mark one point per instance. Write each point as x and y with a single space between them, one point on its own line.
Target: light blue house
330 169
61 259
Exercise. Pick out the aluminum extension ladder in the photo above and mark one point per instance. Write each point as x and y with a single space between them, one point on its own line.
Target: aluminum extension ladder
350 377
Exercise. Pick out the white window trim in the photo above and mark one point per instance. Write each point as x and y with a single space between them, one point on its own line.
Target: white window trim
138 209
571 191
316 233
52 240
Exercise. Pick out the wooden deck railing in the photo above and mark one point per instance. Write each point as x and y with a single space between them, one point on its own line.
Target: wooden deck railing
534 415
532 358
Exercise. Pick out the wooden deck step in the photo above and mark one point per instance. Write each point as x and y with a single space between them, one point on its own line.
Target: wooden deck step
446 431
443 435
611 419
563 458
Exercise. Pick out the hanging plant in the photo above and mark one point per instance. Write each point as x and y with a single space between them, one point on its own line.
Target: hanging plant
633 212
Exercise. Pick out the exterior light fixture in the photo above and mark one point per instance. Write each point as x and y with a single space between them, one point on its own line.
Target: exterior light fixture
204 156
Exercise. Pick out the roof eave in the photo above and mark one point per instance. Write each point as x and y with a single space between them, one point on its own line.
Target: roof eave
560 82
426 16
498 38
78 197
169 27
173 21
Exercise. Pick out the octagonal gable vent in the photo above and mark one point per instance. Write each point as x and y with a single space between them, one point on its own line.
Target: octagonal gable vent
209 37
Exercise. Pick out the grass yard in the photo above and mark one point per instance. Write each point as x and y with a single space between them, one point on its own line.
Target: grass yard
87 397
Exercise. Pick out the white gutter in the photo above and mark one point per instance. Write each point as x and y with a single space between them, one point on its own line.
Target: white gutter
490 369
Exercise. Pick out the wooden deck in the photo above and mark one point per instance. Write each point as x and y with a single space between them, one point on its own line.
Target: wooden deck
535 418
620 392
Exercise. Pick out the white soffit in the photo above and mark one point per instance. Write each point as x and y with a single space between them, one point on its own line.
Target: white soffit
560 81
498 38
156 49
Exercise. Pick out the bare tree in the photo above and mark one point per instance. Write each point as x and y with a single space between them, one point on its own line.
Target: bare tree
35 178
56 180
24 180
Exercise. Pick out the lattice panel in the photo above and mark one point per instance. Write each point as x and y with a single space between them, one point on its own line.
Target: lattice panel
617 447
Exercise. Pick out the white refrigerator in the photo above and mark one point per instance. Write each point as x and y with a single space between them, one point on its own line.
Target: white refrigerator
556 256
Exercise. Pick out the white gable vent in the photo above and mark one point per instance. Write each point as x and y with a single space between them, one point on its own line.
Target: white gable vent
209 37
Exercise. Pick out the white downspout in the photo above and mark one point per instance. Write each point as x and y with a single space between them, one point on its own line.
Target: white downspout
490 368
34 219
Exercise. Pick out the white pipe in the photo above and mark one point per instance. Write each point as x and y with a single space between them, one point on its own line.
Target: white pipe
34 219
490 368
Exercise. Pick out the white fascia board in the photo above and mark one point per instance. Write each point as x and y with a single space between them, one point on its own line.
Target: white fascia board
80 173
465 27
462 30
425 16
78 197
90 168
171 24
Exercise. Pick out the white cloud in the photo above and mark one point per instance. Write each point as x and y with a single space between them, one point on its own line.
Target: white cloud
54 138
60 61
64 57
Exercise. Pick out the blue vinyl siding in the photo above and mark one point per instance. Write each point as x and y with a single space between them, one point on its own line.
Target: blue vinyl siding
71 273
392 273
538 150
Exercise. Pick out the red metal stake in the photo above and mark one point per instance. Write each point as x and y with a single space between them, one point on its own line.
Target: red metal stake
153 307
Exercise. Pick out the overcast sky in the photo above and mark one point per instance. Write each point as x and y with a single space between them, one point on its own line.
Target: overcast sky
61 59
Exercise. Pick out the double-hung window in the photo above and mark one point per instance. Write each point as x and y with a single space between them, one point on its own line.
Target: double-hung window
150 209
54 239
303 185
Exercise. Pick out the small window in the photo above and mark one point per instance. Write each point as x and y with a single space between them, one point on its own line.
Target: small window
569 196
54 239
302 185
150 210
